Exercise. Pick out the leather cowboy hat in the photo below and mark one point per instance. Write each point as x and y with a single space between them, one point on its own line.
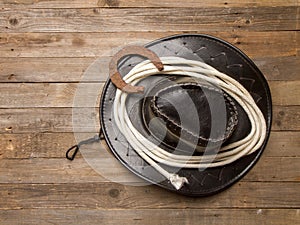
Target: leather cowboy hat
183 115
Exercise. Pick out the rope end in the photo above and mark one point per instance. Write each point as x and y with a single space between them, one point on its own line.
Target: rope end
178 181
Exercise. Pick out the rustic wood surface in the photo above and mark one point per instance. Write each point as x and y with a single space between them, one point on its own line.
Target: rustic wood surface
45 48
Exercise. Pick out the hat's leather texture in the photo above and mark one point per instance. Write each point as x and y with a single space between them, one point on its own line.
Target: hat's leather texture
186 109
220 55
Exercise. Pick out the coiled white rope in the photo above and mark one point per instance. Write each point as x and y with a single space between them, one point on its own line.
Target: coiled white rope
154 155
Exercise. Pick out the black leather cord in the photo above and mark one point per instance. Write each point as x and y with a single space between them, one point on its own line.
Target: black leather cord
96 138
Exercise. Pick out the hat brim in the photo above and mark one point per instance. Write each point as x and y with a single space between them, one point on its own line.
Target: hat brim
225 58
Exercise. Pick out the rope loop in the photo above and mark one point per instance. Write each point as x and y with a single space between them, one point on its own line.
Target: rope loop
154 155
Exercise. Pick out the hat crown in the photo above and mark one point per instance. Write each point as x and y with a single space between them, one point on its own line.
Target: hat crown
190 111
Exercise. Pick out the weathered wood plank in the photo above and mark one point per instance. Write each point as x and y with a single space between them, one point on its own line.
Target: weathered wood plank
70 44
66 70
145 3
285 92
26 120
59 171
275 169
48 94
47 120
283 144
146 19
39 186
41 145
279 68
48 170
38 145
116 196
62 94
255 44
286 118
47 70
151 216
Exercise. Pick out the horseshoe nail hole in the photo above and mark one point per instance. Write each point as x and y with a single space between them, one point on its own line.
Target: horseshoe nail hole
225 3
238 43
116 139
184 43
10 140
109 119
12 49
248 22
130 65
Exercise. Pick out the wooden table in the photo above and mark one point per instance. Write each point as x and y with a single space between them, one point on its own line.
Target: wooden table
46 45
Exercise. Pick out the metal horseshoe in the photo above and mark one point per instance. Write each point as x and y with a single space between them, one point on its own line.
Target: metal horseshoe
116 77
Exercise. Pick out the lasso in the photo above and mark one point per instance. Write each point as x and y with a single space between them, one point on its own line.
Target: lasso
154 155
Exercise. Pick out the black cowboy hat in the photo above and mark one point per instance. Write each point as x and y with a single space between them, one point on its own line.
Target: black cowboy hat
169 108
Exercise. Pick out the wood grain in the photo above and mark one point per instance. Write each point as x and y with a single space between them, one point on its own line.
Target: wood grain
286 118
253 43
48 95
63 70
116 196
28 145
27 120
46 120
145 19
45 48
142 4
279 68
60 171
32 95
152 216
285 93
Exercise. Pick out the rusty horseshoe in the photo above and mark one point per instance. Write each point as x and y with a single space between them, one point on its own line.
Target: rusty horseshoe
116 77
